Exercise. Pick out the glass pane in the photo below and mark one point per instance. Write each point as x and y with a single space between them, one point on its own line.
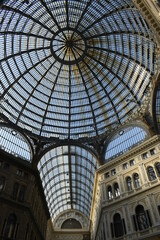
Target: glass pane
73 69
67 178
124 140
14 143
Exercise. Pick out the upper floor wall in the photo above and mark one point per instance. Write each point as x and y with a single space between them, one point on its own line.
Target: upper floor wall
121 185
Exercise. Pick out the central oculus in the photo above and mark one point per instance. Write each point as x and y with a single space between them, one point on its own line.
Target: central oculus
68 47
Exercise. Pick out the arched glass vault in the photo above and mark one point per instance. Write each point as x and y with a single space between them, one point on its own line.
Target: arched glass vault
73 69
67 174
127 138
15 143
157 108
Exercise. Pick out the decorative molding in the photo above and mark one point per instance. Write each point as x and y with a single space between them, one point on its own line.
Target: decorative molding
151 12
71 214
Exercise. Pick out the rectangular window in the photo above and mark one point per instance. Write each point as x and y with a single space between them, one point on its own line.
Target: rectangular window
1 163
113 172
21 194
125 166
25 175
6 166
2 183
15 190
152 151
107 175
132 162
19 172
145 155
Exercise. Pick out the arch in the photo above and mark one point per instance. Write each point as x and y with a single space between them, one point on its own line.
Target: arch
135 204
118 225
141 218
64 184
15 143
151 173
91 151
71 224
79 216
126 138
10 226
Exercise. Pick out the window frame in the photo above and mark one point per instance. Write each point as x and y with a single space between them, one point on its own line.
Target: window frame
151 173
129 183
137 182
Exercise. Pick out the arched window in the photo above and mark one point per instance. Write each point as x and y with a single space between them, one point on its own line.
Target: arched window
15 191
17 145
137 183
109 192
27 231
10 226
18 192
116 190
157 166
129 183
126 139
31 236
2 183
21 193
118 225
151 173
71 224
141 217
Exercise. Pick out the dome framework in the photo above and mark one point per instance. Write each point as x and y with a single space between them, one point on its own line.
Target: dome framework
73 69
67 174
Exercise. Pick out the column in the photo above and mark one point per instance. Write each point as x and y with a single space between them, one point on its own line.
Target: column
108 221
106 227
121 183
143 174
151 208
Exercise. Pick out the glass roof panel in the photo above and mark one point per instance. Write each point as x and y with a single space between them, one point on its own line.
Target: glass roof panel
126 139
157 108
67 174
67 67
14 143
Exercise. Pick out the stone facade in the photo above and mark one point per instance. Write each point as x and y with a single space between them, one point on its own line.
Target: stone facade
23 210
143 192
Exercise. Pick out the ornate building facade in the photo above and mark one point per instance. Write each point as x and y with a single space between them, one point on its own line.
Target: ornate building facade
126 204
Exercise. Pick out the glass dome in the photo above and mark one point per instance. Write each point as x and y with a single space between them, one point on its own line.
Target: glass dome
73 69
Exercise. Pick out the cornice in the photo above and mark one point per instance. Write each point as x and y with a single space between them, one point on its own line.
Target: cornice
151 13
